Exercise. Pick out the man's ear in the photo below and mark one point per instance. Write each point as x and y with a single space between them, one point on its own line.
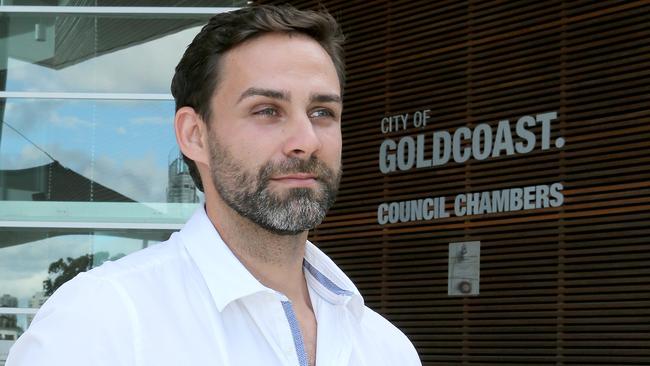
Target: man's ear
190 130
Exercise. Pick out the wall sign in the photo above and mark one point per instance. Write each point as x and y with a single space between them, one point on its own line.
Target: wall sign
460 146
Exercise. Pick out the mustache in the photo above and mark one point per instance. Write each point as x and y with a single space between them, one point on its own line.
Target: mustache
313 165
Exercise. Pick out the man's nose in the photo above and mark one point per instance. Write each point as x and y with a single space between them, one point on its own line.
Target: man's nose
302 139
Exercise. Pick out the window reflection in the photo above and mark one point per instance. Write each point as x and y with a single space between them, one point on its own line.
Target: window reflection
35 262
9 329
93 151
83 53
9 335
70 167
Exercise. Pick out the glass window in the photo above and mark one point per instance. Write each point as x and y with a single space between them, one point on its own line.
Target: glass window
89 167
35 262
98 160
86 53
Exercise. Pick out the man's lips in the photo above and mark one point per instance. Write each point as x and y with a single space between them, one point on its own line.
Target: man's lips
296 179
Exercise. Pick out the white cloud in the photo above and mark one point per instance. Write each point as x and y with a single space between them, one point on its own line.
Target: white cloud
24 117
120 130
24 267
140 178
29 156
29 116
24 287
152 120
67 121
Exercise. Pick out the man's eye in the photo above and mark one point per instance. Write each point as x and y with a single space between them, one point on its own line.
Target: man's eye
319 113
267 112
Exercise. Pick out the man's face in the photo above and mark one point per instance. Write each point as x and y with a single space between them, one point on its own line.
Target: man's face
275 132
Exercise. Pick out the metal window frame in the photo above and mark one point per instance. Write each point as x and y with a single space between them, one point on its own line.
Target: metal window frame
18 311
91 225
113 10
84 95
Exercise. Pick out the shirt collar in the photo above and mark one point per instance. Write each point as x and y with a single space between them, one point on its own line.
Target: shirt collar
226 277
329 282
228 280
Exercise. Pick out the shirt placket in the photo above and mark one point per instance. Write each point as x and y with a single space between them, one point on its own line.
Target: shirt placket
334 346
296 334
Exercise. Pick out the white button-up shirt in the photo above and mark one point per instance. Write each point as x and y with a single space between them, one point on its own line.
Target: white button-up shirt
189 301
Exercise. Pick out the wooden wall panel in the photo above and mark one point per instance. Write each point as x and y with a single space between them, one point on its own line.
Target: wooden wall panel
559 286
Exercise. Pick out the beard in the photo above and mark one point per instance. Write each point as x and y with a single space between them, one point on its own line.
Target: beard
284 213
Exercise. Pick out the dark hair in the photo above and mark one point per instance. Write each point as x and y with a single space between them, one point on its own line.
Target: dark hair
197 73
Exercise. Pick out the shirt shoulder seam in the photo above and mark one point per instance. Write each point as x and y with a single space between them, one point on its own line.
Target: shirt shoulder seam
129 307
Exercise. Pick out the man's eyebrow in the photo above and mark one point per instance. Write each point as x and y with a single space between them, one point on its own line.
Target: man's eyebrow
325 98
269 93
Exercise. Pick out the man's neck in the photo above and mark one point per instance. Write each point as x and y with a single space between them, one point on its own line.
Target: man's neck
275 260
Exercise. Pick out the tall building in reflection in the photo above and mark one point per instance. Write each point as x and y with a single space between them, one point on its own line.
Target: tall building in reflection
9 329
180 187
8 301
37 300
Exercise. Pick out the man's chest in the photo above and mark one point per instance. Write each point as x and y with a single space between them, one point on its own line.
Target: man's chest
250 334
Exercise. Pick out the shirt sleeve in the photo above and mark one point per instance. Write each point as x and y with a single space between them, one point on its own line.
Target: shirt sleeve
88 321
394 346
405 353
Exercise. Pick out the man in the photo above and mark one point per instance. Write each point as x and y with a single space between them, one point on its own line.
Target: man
258 97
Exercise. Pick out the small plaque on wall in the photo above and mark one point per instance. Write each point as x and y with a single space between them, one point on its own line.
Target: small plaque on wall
464 268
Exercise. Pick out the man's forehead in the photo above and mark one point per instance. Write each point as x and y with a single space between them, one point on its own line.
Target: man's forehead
277 38
272 62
